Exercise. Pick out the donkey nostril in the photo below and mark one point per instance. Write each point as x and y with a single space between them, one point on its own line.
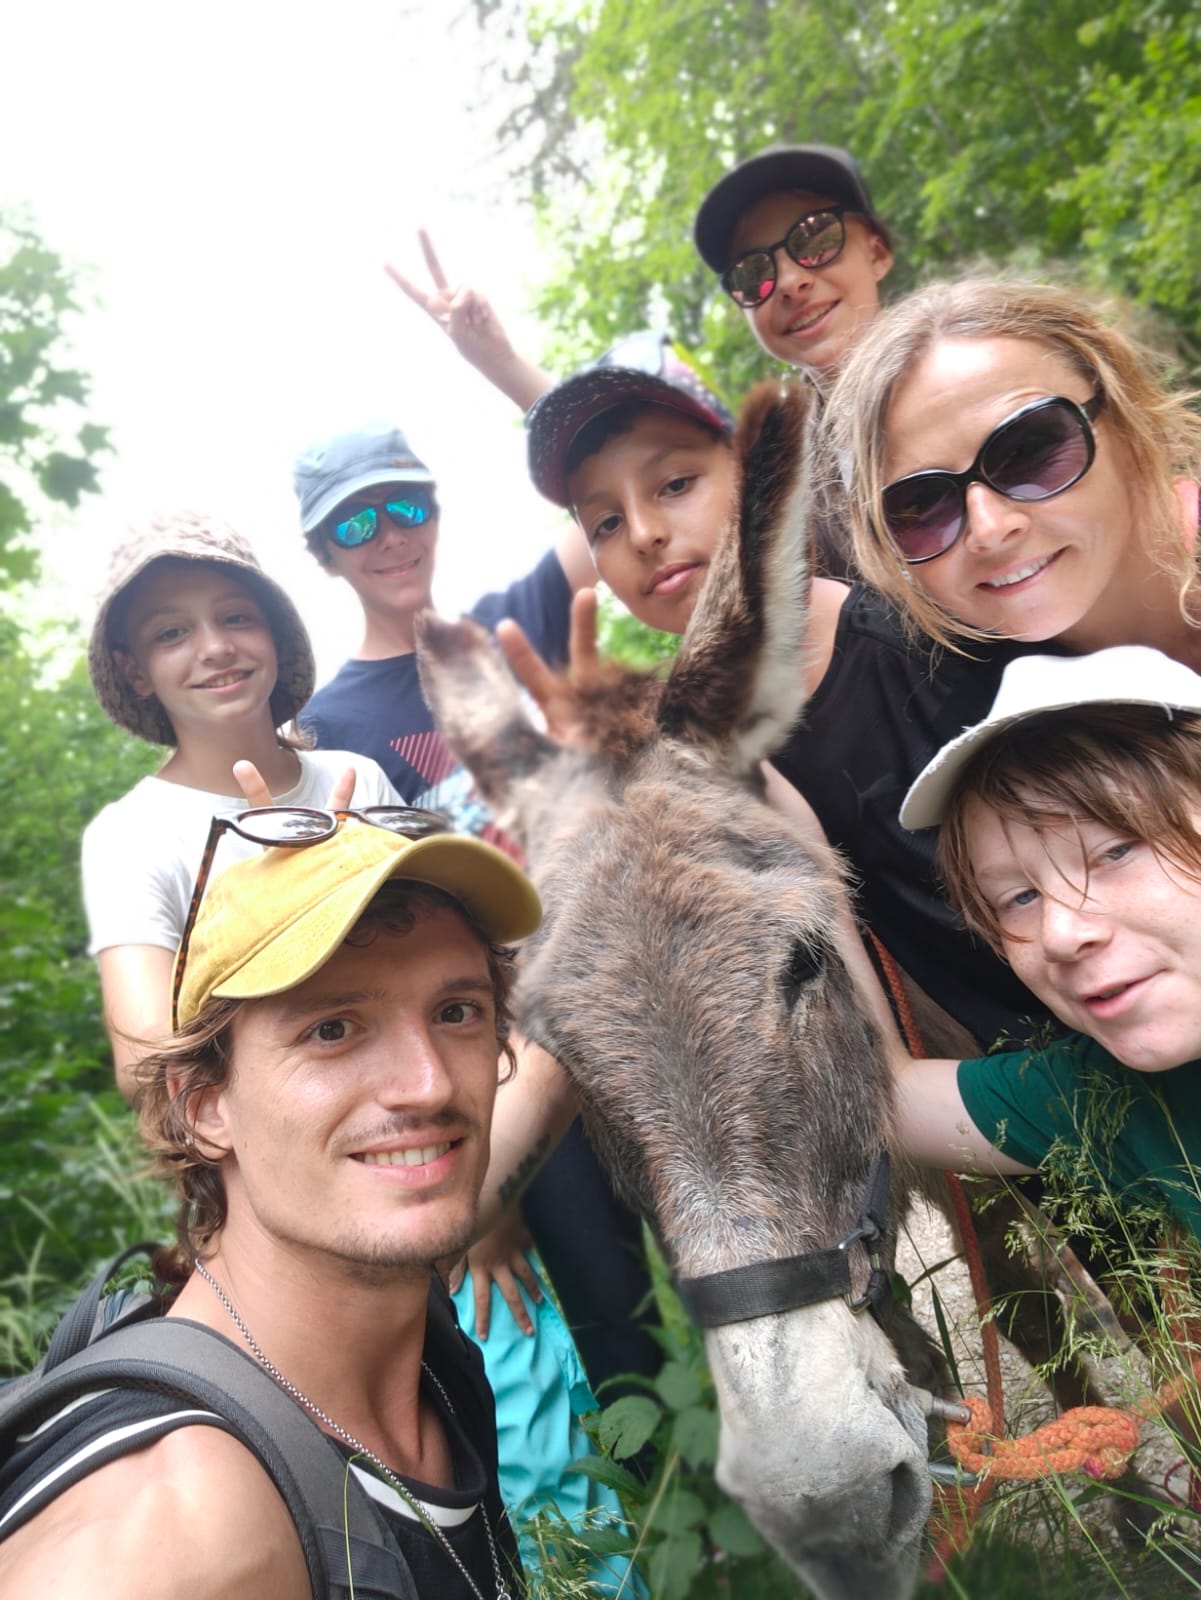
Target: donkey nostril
908 1503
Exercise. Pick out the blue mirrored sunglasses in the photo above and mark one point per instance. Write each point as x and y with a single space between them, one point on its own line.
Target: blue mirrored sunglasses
362 524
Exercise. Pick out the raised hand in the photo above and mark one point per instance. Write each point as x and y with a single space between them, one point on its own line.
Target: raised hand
469 321
256 793
554 693
464 314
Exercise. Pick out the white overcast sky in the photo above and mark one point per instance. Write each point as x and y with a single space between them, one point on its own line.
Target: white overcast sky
234 176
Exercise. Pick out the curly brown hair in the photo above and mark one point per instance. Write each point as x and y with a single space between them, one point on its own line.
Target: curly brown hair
200 1057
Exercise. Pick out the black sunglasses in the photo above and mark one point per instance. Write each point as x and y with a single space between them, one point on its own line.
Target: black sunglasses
359 524
814 240
1035 454
291 828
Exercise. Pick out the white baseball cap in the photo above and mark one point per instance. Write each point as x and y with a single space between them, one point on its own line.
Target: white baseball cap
1127 674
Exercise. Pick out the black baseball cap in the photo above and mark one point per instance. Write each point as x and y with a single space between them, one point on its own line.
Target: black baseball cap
820 168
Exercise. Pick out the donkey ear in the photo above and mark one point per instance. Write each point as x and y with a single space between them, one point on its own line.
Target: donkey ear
477 705
737 681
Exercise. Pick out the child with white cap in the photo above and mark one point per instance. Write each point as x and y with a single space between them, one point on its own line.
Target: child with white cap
1071 843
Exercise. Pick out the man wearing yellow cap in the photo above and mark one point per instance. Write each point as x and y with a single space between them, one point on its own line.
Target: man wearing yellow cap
323 1111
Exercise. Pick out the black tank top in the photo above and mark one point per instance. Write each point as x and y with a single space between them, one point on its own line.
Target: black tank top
882 710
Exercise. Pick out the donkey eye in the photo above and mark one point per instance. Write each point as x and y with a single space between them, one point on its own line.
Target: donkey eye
805 963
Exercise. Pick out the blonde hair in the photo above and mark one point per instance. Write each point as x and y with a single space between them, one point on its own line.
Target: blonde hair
1133 769
1153 425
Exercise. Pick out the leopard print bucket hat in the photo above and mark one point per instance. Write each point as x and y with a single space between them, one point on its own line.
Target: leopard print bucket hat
191 536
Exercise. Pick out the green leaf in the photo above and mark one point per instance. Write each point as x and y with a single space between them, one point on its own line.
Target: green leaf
616 1477
678 1386
694 1435
679 1510
625 1426
673 1565
732 1533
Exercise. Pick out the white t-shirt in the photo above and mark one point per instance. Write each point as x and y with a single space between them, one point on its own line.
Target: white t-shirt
142 853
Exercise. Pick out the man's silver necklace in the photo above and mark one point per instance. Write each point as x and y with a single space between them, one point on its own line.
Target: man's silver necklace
418 1510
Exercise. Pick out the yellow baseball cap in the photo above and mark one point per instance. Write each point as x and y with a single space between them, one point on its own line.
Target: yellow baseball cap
268 923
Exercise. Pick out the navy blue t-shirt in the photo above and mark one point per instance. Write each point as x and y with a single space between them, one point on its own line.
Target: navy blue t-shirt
376 708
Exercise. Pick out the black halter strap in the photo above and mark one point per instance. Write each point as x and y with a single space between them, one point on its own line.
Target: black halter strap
763 1288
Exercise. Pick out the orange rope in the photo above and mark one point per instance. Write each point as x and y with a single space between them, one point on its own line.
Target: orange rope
1096 1440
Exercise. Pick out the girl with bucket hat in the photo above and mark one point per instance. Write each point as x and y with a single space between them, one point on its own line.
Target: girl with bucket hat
193 648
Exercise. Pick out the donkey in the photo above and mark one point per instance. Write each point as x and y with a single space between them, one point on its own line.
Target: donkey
691 975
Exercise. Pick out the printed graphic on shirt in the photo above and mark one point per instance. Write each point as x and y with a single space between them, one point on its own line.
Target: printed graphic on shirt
457 798
427 754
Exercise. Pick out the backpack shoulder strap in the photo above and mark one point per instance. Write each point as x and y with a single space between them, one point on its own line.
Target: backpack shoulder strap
334 1518
82 1322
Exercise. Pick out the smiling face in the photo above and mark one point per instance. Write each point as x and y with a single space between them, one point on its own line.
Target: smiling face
357 1114
196 637
393 573
814 315
651 502
1101 928
1069 568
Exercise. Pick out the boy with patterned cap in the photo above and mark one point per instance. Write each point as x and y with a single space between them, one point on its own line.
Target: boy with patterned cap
639 451
369 512
193 648
323 1113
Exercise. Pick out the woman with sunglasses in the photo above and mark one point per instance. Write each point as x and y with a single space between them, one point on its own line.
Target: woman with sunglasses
1089 466
196 650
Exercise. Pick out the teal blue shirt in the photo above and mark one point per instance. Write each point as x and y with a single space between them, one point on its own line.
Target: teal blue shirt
1138 1134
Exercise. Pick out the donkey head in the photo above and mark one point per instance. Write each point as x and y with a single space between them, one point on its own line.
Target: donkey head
689 975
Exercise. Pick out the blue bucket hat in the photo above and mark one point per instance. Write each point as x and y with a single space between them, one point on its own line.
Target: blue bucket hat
645 366
334 469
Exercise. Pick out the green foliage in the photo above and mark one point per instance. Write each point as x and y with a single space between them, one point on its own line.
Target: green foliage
1052 137
1032 1541
693 1543
60 761
48 449
623 638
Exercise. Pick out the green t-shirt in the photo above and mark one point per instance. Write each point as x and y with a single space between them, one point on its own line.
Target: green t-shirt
1139 1133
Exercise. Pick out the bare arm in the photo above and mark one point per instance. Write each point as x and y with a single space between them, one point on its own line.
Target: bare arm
933 1125
533 1111
135 983
826 599
475 330
194 1514
135 979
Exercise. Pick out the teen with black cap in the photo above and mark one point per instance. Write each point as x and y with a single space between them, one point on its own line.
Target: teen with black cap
800 249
